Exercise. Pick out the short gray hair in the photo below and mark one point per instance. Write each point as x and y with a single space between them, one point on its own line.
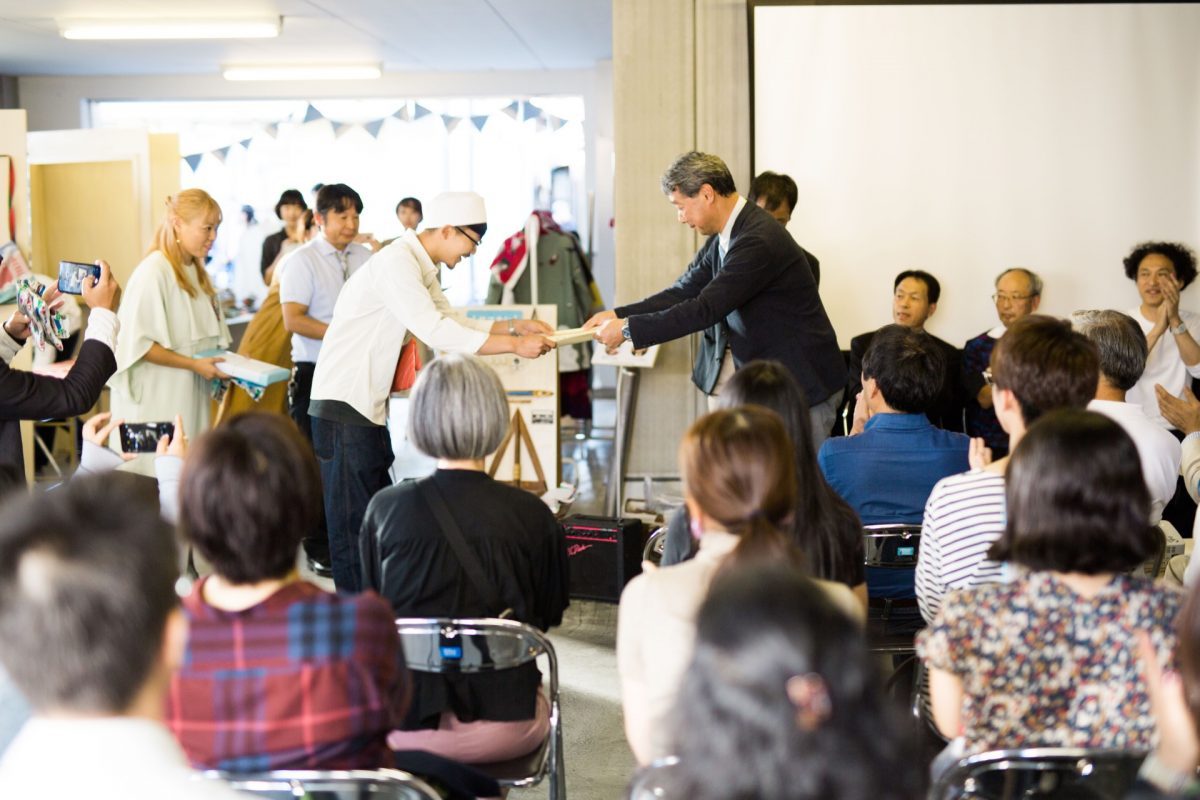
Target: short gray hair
692 170
459 409
1119 341
1035 280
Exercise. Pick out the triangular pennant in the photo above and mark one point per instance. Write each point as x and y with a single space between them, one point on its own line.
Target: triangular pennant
193 160
403 114
373 128
531 111
479 121
512 109
539 124
420 111
556 122
450 122
221 153
245 143
311 114
341 127
272 129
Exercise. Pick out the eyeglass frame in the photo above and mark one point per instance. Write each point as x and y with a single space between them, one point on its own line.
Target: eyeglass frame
475 242
1011 298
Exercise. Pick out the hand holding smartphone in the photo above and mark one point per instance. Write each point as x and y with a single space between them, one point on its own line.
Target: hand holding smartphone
142 437
71 275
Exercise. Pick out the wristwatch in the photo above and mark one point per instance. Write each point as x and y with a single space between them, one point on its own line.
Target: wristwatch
625 331
1181 328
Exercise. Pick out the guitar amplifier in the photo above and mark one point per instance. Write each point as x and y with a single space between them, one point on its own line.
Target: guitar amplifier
603 554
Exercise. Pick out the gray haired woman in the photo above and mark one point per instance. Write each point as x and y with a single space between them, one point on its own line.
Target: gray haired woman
459 415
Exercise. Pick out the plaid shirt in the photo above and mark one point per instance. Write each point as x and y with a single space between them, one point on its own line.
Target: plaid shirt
303 680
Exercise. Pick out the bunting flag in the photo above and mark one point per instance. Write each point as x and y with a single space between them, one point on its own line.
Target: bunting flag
221 153
272 129
193 160
420 111
512 109
311 114
555 122
403 115
479 121
340 128
531 112
450 122
373 128
245 143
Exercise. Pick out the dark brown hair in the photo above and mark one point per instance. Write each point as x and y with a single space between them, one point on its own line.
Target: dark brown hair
250 492
738 465
1077 501
1046 365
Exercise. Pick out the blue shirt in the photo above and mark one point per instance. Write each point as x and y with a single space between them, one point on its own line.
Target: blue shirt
886 472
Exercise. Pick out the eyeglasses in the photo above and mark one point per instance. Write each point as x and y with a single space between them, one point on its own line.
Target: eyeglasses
1010 298
472 239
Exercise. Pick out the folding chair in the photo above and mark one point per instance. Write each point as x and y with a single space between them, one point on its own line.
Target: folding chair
1040 772
656 544
891 547
655 780
490 645
383 784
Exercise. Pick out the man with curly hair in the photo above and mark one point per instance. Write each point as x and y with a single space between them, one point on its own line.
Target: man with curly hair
1162 270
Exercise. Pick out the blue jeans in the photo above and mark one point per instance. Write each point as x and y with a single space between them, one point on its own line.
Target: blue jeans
354 460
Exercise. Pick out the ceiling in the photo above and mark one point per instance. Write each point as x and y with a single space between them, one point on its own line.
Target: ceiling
405 35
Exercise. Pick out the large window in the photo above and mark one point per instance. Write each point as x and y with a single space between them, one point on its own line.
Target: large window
247 152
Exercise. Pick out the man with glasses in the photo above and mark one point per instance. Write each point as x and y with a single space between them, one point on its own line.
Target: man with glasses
395 297
1018 293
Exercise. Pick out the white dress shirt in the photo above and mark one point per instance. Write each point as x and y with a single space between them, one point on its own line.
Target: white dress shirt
1158 450
1164 365
394 294
313 277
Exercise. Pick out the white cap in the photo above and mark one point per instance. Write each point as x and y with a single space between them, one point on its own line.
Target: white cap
455 208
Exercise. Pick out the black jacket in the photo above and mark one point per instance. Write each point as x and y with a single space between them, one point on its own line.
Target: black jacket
947 412
767 297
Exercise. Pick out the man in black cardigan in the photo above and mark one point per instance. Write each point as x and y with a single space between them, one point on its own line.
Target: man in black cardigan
750 274
24 395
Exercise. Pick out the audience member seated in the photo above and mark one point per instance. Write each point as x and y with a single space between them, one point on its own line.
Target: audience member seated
1184 415
914 300
1162 270
1170 770
739 480
1047 660
1121 347
825 529
780 700
777 194
459 414
1018 293
90 630
1038 366
279 674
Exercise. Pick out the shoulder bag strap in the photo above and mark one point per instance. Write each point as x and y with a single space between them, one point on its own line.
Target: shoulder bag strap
462 551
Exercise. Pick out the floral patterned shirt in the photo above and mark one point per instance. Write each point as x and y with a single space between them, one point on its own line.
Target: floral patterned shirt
1044 666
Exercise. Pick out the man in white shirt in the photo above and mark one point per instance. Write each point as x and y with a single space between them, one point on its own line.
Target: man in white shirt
1122 349
394 297
90 630
312 278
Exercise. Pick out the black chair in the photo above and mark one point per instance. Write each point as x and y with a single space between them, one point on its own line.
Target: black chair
383 784
491 645
1040 772
656 545
892 546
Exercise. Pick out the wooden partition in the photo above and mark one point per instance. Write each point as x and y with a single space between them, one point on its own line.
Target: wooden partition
13 144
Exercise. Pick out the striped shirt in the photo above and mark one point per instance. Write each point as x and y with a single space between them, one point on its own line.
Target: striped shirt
964 515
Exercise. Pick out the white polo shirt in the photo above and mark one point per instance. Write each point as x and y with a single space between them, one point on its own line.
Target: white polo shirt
314 277
395 293
1164 365
1159 451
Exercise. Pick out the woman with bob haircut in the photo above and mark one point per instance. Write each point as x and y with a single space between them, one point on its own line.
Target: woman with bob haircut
324 670
781 700
1048 660
823 526
459 414
739 481
169 314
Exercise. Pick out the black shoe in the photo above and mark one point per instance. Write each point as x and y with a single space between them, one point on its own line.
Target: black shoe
317 552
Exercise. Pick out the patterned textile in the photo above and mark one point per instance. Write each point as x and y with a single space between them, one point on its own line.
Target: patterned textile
303 680
1044 667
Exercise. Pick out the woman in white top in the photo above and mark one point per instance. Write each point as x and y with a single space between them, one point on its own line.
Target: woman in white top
738 468
169 314
1162 270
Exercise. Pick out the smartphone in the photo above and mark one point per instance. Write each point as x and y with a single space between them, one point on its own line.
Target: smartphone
72 273
142 437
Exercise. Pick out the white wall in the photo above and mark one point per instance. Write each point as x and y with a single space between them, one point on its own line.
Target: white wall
967 139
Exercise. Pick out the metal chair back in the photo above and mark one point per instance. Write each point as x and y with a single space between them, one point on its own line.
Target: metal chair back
469 646
893 546
1041 772
383 784
656 544
655 781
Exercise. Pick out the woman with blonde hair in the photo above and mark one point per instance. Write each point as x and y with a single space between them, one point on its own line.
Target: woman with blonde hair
169 314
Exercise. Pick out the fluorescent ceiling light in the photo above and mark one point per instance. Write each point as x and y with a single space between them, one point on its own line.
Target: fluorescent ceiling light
301 72
243 28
